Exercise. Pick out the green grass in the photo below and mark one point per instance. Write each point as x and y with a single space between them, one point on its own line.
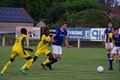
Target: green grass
76 64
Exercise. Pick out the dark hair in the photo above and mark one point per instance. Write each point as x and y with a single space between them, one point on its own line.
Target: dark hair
116 29
65 22
110 22
46 31
23 31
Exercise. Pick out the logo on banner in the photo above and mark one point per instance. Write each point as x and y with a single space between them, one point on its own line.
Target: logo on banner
89 34
96 34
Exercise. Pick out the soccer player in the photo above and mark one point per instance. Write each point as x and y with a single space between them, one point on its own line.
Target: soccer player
108 45
42 48
57 39
115 57
116 48
19 49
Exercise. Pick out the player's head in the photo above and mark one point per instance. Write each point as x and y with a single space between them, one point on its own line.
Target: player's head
64 25
116 31
113 30
46 31
110 25
23 31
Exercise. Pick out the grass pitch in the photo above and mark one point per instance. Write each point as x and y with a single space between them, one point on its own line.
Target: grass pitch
76 64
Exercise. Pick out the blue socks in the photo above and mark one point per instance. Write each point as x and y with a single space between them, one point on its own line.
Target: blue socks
110 63
53 61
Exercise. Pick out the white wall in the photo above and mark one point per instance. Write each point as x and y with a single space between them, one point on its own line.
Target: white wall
10 27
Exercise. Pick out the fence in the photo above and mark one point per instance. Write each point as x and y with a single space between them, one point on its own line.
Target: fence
79 37
8 40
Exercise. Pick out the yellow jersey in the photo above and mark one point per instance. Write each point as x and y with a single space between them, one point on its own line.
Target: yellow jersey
110 36
18 42
41 44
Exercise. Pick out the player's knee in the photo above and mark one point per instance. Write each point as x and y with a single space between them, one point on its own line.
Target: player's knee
51 56
35 58
28 58
12 59
31 60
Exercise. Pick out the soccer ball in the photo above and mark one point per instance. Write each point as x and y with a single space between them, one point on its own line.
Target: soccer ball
100 69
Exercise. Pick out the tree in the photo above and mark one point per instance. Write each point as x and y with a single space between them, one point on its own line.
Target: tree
96 18
110 3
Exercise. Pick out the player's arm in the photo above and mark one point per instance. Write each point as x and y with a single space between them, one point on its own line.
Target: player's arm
113 42
67 42
104 35
45 41
52 38
23 47
29 49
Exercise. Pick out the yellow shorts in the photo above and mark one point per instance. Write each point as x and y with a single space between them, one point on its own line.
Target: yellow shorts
20 53
42 51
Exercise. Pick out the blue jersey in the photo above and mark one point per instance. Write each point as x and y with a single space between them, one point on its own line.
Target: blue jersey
116 40
59 36
106 32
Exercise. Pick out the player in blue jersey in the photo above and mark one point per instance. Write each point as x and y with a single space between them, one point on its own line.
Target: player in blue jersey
108 42
116 48
57 40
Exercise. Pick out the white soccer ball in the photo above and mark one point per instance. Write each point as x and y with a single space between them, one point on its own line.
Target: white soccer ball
100 69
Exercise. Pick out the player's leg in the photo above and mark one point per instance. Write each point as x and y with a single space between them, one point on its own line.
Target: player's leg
12 58
37 54
115 57
119 58
49 55
44 64
28 64
57 51
111 58
108 50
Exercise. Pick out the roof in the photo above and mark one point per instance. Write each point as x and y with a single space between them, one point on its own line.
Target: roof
115 11
9 14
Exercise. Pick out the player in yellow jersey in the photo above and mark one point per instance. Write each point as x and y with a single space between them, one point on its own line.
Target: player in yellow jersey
42 48
19 49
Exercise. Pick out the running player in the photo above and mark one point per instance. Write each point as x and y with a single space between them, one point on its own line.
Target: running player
19 49
116 48
42 48
57 39
109 45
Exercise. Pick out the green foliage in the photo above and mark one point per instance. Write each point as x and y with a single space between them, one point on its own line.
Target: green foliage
62 10
89 18
116 21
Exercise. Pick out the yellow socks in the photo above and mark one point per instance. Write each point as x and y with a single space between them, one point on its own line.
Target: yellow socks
46 61
5 67
28 64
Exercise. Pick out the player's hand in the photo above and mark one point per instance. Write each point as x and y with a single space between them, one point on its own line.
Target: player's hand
29 49
69 46
53 40
46 41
